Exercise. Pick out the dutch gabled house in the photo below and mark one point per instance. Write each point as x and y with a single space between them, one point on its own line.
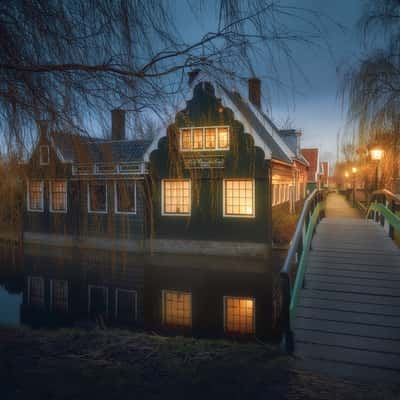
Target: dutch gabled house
194 206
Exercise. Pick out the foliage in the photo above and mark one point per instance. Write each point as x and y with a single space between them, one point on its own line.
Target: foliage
283 224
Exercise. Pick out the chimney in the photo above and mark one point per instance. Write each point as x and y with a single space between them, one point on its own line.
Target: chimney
255 91
117 124
43 127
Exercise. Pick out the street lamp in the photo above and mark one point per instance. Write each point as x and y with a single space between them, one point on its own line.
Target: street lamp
376 155
354 171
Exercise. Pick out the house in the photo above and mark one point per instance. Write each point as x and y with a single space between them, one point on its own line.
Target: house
325 174
191 209
314 173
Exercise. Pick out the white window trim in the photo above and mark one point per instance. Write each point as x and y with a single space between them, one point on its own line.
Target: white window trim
28 202
88 200
116 200
51 293
163 306
244 298
253 215
29 290
65 197
191 128
165 214
41 147
90 287
134 292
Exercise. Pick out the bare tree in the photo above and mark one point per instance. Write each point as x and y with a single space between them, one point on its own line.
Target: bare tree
72 60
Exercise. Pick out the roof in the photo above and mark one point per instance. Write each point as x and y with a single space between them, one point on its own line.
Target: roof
76 148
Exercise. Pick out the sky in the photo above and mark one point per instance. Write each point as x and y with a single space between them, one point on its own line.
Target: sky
310 97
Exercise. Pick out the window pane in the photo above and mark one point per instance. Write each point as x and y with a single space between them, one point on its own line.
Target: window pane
44 154
177 197
36 291
211 138
59 196
177 309
126 196
223 138
239 199
98 196
239 315
36 195
60 295
186 139
198 138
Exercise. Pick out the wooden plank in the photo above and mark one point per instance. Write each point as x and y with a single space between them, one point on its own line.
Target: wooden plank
348 316
348 328
349 306
351 258
356 281
345 273
333 266
351 356
348 341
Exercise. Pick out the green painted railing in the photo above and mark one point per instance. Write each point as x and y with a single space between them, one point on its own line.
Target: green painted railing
383 211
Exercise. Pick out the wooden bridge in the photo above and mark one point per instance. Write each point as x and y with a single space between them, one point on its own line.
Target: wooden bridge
345 319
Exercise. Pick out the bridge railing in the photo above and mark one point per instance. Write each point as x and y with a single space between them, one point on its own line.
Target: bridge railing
384 208
294 268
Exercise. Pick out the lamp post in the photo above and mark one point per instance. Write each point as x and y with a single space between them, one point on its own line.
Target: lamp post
354 171
376 155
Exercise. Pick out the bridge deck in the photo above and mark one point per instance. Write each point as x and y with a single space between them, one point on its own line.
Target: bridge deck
348 319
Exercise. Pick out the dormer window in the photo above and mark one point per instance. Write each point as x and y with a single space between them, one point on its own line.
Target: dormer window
44 155
208 138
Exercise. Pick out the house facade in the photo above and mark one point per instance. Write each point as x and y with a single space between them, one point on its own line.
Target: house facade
191 209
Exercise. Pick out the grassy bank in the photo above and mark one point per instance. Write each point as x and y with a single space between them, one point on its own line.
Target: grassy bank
78 364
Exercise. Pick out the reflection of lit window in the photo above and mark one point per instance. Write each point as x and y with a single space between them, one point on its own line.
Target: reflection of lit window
176 196
186 139
197 139
125 197
211 138
59 295
177 309
35 196
36 290
97 193
44 155
125 305
223 138
58 196
239 315
239 197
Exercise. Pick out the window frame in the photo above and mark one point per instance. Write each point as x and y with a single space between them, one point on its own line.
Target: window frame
52 293
164 308
135 293
29 283
204 148
167 214
28 199
116 211
65 196
90 211
249 216
253 333
41 148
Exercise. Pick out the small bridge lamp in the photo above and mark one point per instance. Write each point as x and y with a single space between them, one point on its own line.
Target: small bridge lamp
376 154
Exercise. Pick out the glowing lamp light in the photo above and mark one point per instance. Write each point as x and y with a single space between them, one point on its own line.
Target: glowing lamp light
376 154
354 170
346 174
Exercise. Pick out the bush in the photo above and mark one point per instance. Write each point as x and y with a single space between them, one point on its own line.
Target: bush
283 224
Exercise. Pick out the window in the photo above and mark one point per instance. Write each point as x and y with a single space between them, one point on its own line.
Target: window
35 196
59 295
58 196
44 155
36 291
177 309
97 300
239 198
125 197
125 305
176 198
207 138
239 315
97 197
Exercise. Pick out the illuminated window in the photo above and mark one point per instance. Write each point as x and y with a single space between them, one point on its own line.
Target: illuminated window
186 139
239 315
125 305
59 295
125 197
44 155
197 139
211 138
97 197
177 309
176 197
239 197
223 138
36 290
35 196
58 196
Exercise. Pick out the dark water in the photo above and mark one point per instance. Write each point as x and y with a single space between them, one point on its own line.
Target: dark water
10 305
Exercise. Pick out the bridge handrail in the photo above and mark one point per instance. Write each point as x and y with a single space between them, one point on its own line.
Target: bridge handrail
387 194
392 218
300 244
